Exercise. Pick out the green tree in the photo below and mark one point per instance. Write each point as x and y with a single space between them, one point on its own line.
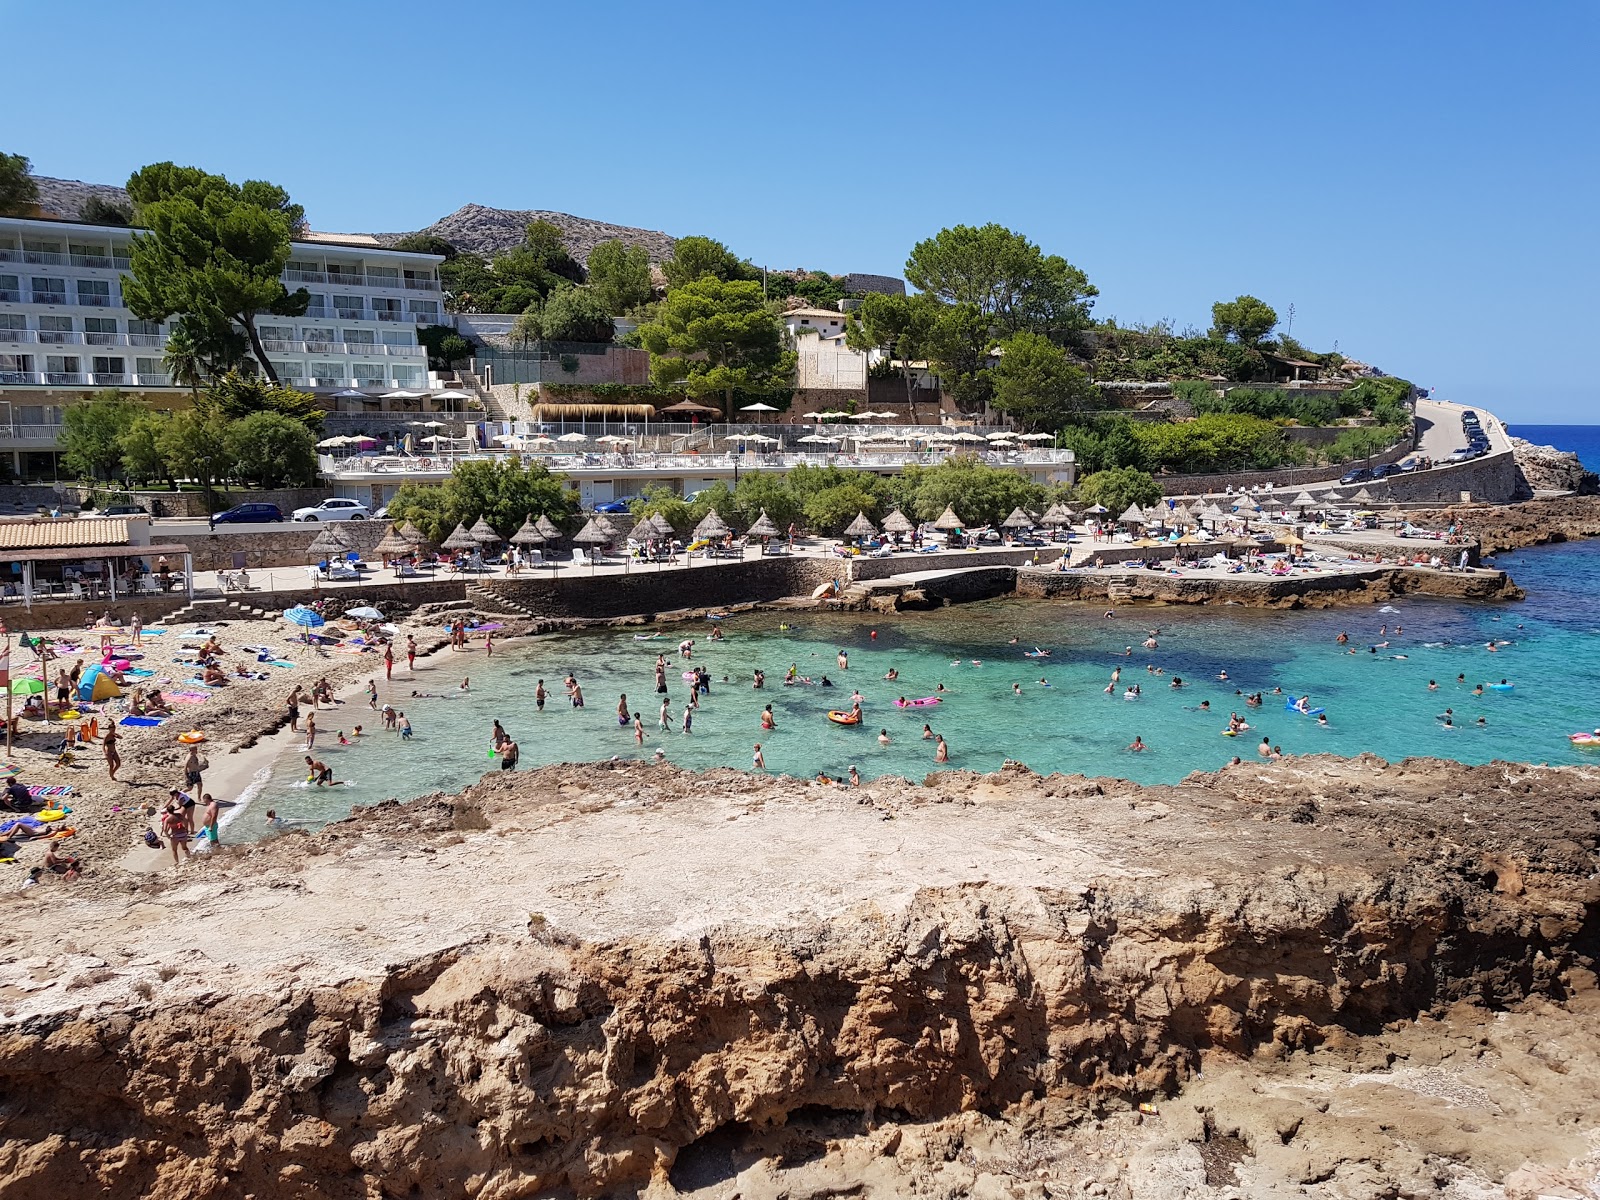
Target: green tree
99 211
183 360
517 278
215 252
713 337
1117 488
897 325
658 499
92 432
1038 385
18 191
236 396
1005 276
755 493
1107 443
1217 442
830 510
958 346
195 445
271 450
1243 319
142 459
573 314
696 258
981 494
504 493
444 345
426 243
620 276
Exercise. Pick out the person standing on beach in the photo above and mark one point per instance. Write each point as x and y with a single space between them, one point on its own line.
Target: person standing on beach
509 753
661 675
488 644
208 818
666 712
688 718
294 709
411 653
311 730
388 661
192 768
177 832
638 729
137 625
372 694
109 745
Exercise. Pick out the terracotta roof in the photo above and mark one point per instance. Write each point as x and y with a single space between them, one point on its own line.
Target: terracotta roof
151 552
62 531
832 313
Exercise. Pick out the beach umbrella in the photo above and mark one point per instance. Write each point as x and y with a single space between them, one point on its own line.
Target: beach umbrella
819 439
365 613
663 526
451 394
591 534
1303 500
1362 497
506 439
484 533
615 439
402 394
1133 516
898 522
429 425
690 407
307 618
948 522
1055 516
758 407
394 545
1002 436
528 535
547 527
1096 510
350 394
604 525
27 687
763 527
711 526
1017 520
573 437
412 534
333 541
330 443
1182 513
1036 437
460 539
861 527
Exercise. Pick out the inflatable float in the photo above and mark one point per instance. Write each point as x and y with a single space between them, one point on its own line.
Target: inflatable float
1502 687
193 737
1036 653
843 718
648 637
52 814
924 702
1584 739
1305 712
827 589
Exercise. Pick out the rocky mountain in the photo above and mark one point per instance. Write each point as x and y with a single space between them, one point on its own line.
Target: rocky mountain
487 231
66 197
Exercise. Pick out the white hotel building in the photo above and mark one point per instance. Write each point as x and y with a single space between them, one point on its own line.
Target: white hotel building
64 331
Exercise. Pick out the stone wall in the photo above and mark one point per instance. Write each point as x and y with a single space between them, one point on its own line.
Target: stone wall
882 568
1300 591
1493 478
1192 485
163 503
278 546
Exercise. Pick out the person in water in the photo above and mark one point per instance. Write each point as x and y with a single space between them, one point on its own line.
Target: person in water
1137 744
927 733
883 737
941 750
768 721
892 675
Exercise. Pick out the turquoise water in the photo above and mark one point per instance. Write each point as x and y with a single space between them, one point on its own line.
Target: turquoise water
1375 701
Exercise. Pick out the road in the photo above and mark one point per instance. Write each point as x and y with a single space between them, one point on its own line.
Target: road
178 527
1439 429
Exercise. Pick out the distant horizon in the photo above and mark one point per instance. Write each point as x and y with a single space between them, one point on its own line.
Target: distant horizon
1351 166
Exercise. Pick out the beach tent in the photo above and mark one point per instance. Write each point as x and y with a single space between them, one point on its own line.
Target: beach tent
96 684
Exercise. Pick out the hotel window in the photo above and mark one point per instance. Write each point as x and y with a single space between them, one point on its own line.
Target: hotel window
385 309
317 305
13 321
55 329
318 340
289 372
348 307
45 253
370 374
49 291
360 337
94 292
383 276
100 331
15 365
10 289
85 254
425 308
61 364
144 333
327 372
109 366
408 376
146 368
276 336
399 337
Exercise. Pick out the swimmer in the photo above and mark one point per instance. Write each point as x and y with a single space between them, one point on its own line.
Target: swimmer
938 687
927 732
758 760
883 737
1433 685
1177 682
1043 682
466 685
1137 744
892 674
941 750
768 721
1483 722
855 776
1341 639
1205 706
1016 689
1303 704
1265 748
1478 691
1461 678
1322 719
1222 675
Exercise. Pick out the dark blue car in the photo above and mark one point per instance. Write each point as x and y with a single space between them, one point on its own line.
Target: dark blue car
248 514
612 506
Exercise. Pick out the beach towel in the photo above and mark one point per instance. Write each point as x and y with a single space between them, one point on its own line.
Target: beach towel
153 632
141 722
187 697
138 672
279 662
45 792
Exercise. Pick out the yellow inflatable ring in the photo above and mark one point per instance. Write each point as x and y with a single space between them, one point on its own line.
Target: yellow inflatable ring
192 737
842 718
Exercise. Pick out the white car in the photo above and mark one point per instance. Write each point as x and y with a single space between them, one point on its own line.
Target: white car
334 508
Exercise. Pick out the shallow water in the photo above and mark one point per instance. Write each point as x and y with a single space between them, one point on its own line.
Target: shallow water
1375 701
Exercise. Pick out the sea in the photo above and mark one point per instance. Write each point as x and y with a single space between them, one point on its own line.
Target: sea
1011 679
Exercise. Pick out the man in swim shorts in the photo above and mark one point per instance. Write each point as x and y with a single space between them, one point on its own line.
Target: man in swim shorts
317 772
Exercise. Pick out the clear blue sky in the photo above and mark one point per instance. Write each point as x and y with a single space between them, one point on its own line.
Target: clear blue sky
1418 180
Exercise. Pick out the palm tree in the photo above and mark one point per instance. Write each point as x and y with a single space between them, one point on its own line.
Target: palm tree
183 359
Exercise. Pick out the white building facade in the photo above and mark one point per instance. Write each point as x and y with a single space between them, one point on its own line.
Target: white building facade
64 329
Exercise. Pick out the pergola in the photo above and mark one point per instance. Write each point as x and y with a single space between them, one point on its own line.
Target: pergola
109 555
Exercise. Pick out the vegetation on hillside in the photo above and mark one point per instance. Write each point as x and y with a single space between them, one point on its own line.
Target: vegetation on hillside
504 493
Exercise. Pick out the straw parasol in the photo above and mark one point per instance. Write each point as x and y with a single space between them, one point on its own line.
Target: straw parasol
1362 497
1133 516
528 535
333 540
604 525
898 522
1303 500
547 527
484 533
460 539
661 525
764 527
1096 510
591 534
711 526
412 534
1017 520
861 527
394 545
948 522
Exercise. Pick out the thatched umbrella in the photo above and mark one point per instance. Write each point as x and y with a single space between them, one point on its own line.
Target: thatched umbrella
948 522
591 534
1182 513
764 527
1017 520
485 533
1303 500
528 535
604 525
412 534
661 525
861 527
1362 497
547 527
460 539
1055 516
898 522
332 541
393 546
1133 516
711 526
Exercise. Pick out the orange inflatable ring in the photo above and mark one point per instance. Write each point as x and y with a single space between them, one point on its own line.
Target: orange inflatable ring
192 737
842 718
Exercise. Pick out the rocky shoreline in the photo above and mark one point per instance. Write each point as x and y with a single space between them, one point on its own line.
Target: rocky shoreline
596 980
1501 527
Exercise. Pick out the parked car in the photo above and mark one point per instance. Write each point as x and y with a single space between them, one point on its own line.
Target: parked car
1465 454
382 514
122 510
612 506
1384 470
1469 415
248 514
1355 476
334 508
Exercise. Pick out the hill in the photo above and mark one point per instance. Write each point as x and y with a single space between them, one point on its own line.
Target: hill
472 227
488 231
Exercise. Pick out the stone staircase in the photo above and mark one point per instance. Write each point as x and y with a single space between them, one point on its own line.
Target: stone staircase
1118 591
217 609
488 600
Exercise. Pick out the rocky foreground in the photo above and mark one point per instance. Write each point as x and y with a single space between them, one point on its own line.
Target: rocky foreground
1501 527
1326 977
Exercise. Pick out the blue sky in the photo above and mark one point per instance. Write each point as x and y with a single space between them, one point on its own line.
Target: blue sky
1418 180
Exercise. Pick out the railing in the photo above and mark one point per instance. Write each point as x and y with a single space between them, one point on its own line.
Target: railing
81 378
60 337
144 339
10 296
28 433
100 262
353 349
49 297
293 276
105 339
10 254
44 258
93 300
65 377
388 314
360 280
425 318
421 285
18 335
